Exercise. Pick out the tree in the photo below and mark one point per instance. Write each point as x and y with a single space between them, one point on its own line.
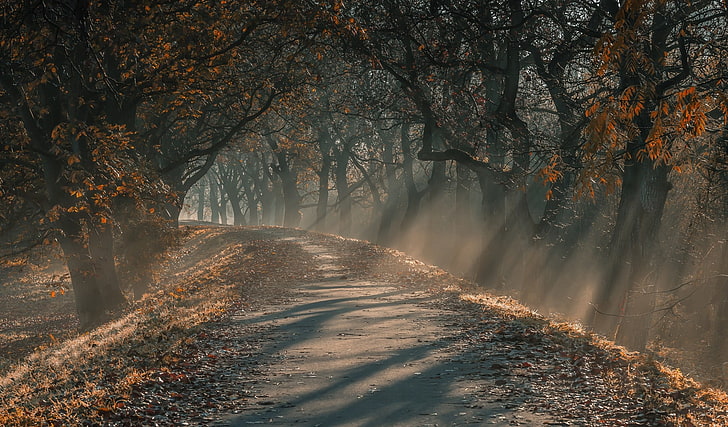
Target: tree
115 100
443 57
54 84
660 105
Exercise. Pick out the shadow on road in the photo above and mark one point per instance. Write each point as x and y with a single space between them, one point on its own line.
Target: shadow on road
366 354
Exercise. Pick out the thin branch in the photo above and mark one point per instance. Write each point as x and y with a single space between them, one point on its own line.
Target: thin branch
682 285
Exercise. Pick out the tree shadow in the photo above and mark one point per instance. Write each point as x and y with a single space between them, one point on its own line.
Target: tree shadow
360 377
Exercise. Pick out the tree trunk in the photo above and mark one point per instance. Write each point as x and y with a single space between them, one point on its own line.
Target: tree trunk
463 217
291 198
234 197
214 201
627 294
437 184
633 253
230 182
223 206
322 205
170 212
279 205
289 185
101 249
436 188
384 234
343 191
86 293
506 212
252 201
263 188
413 194
238 216
489 271
201 202
720 302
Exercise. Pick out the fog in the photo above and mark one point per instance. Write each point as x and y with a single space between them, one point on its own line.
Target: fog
558 276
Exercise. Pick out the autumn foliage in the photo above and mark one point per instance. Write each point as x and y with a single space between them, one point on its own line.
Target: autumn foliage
571 152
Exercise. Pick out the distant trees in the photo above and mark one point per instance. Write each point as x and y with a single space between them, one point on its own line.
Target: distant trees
461 66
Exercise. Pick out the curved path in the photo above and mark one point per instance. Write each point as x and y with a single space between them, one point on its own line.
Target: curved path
348 352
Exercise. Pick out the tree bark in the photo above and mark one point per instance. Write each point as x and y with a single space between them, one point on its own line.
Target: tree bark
342 189
289 186
101 249
627 292
200 202
413 194
463 215
384 233
234 197
263 187
214 201
229 180
322 205
86 292
631 277
223 206
251 199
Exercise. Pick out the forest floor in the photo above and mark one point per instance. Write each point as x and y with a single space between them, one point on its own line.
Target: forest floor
266 325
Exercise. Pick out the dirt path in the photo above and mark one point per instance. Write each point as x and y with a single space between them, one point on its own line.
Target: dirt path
352 352
267 325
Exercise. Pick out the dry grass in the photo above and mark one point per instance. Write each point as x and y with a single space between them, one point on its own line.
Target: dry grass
86 376
83 378
663 390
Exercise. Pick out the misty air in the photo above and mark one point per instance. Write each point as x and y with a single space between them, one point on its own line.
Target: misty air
404 212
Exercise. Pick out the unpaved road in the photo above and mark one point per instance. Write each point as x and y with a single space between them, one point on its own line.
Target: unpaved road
324 331
299 328
352 352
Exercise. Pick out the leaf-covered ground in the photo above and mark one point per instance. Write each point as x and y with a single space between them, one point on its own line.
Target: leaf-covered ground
29 316
181 356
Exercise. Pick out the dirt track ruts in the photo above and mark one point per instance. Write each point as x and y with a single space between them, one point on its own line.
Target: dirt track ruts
361 353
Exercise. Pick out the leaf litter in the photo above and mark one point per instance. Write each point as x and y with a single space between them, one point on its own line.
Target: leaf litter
178 357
